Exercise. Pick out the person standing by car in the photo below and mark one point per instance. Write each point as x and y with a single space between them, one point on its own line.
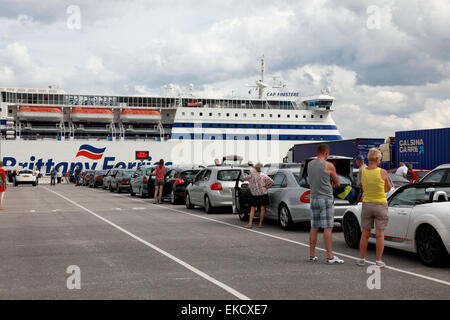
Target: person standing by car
323 177
402 170
258 183
360 164
251 167
59 176
375 183
37 173
77 176
53 177
2 184
160 172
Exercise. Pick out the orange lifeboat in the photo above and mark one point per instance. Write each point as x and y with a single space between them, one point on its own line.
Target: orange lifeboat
144 116
92 114
36 113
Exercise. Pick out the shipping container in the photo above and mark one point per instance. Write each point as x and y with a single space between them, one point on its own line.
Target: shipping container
423 149
347 148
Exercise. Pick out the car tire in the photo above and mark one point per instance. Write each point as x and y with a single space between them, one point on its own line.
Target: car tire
189 204
34 184
91 186
142 195
429 246
284 218
131 192
15 184
209 209
352 231
117 189
111 188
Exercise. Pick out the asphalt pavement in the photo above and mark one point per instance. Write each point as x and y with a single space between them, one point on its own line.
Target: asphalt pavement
128 248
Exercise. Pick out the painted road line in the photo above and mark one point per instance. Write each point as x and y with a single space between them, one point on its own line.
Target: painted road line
165 253
298 243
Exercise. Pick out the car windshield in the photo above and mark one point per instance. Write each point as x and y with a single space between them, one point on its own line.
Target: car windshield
25 172
189 174
398 181
228 175
421 174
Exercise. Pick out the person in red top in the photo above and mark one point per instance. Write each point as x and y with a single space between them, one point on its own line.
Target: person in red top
160 172
2 184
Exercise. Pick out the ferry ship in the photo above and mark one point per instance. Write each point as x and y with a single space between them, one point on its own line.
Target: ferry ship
49 128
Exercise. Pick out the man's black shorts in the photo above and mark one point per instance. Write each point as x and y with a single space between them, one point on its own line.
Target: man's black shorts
258 201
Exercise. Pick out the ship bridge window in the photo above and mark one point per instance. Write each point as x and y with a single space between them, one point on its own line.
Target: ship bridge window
228 114
192 113
245 114
288 115
262 115
210 114
304 116
235 114
271 115
254 115
296 115
312 116
201 114
321 116
279 116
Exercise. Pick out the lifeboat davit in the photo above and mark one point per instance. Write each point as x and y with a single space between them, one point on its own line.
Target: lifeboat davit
144 116
40 114
92 114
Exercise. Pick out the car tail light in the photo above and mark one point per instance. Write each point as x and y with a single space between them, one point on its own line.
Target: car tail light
179 181
144 180
99 177
124 182
216 186
306 197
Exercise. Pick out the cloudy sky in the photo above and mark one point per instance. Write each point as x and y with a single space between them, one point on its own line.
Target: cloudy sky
386 62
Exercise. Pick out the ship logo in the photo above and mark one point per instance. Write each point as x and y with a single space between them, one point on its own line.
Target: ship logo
90 152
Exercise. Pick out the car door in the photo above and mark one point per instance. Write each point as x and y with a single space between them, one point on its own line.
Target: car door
194 190
400 208
135 180
205 183
169 180
275 193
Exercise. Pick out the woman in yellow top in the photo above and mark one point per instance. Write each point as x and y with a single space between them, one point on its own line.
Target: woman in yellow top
375 184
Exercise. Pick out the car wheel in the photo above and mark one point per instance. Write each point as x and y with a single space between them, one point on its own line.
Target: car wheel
110 188
142 194
208 208
15 184
189 204
429 246
352 231
34 184
131 192
117 189
91 186
284 218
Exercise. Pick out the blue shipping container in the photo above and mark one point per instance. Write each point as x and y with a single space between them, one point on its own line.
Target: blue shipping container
423 149
347 148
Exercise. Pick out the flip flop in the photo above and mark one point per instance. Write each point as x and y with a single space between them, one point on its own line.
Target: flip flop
248 227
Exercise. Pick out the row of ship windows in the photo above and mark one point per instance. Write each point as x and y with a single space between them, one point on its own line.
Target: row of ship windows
245 115
268 137
254 126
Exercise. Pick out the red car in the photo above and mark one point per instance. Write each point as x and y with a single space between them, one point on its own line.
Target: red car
414 174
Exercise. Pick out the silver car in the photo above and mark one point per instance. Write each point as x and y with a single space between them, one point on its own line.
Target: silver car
290 195
212 187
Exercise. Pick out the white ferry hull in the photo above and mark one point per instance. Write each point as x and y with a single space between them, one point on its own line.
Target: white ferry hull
121 154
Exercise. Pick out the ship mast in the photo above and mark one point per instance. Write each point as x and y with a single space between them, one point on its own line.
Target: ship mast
261 87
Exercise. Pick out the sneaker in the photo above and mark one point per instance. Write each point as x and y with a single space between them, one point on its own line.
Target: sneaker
313 259
335 260
361 262
380 264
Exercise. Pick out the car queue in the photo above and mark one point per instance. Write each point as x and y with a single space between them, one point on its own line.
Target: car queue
419 219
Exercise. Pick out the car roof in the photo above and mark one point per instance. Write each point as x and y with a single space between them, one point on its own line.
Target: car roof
443 166
331 157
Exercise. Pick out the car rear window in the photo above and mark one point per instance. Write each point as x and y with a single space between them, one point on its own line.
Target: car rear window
229 175
25 172
101 172
128 173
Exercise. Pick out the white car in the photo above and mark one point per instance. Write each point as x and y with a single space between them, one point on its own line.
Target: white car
25 177
419 221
